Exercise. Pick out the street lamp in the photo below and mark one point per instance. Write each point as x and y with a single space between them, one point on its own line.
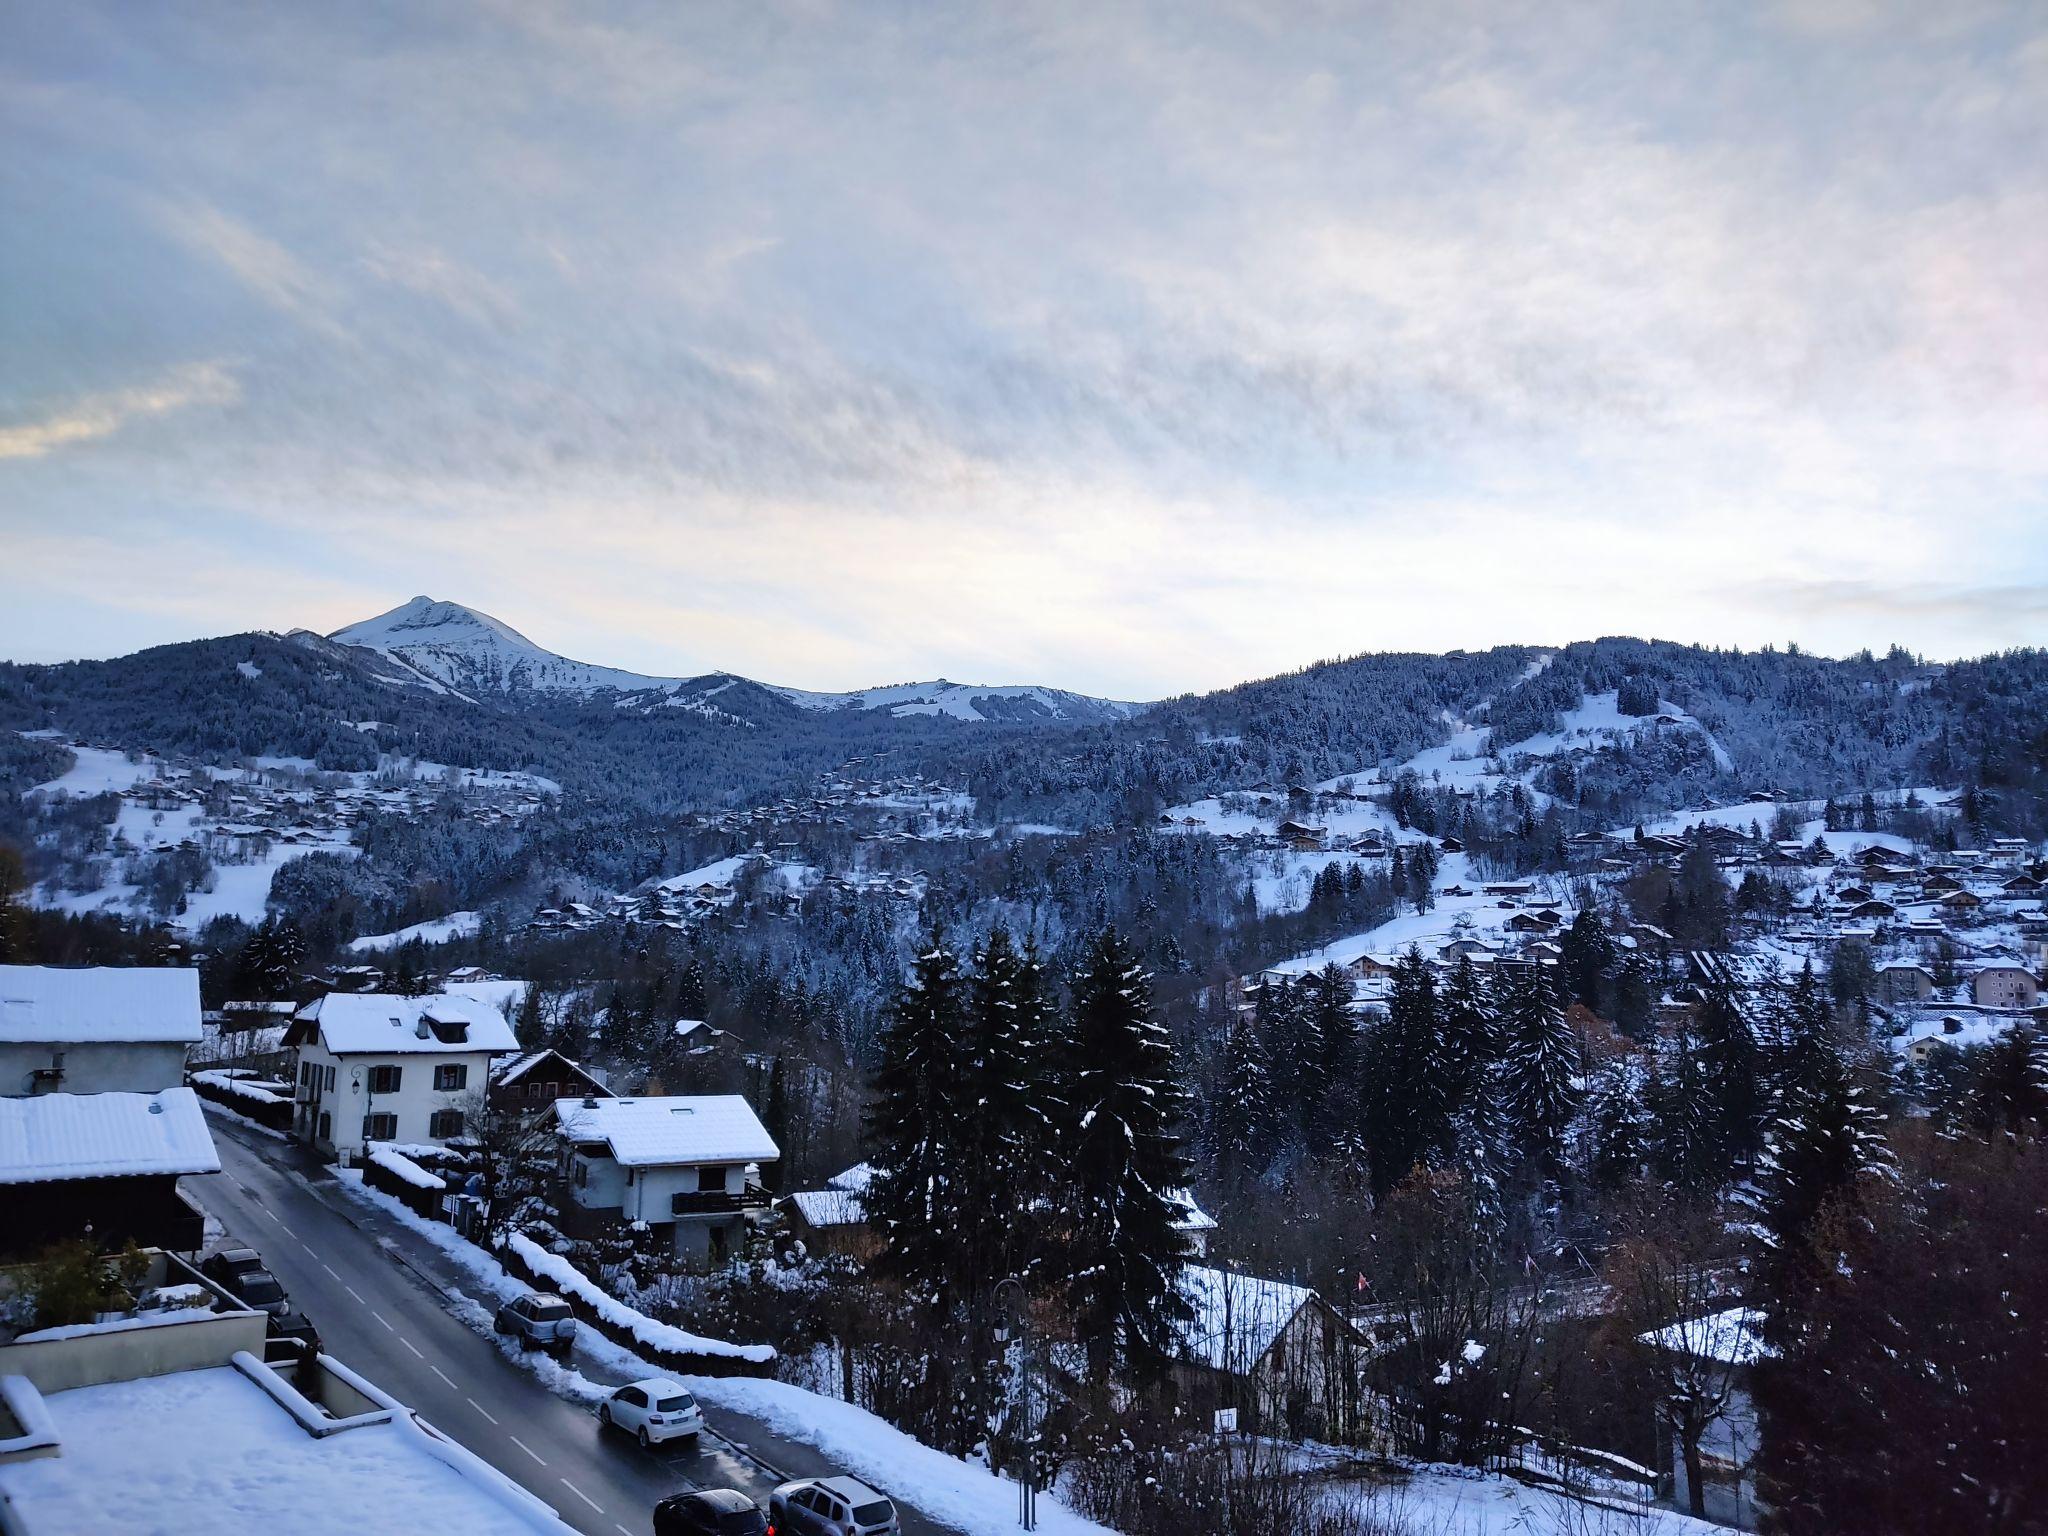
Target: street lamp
1010 1296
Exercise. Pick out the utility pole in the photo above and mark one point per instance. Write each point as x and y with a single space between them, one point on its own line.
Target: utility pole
1010 1294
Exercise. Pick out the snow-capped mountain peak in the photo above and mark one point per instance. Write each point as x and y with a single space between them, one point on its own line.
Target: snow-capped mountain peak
441 646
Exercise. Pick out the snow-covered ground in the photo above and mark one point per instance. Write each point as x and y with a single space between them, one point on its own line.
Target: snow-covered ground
438 930
1477 916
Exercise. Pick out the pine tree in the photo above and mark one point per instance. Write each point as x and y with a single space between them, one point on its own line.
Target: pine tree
1622 1133
2008 1093
913 1130
1681 1131
1540 1063
1406 1108
1125 1250
1588 957
775 1120
996 1112
1730 1079
1245 1112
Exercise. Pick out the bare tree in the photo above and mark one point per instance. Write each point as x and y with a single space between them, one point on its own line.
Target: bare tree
515 1151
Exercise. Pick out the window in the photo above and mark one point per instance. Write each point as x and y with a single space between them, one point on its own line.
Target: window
330 1078
380 1127
711 1181
451 1077
385 1079
443 1123
633 1397
326 1126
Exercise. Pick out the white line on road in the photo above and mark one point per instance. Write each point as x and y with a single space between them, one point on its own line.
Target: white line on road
408 1343
329 1268
353 1291
288 1232
480 1408
621 1529
586 1498
520 1443
380 1318
440 1373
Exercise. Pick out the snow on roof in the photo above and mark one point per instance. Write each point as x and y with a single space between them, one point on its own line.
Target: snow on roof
197 1452
829 1207
103 1135
1192 1217
708 1128
854 1180
1237 1317
41 1003
512 1071
1730 1336
352 1023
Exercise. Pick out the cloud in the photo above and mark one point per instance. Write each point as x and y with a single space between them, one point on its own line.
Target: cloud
101 415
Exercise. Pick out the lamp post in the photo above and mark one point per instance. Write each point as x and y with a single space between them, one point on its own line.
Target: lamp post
1009 1294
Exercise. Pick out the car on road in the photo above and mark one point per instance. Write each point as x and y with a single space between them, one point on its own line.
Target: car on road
240 1272
709 1512
830 1506
540 1320
652 1411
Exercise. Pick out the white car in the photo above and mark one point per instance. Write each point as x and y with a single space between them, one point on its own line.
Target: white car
652 1411
830 1506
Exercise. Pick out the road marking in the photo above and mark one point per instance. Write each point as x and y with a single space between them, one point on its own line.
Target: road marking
520 1443
586 1498
353 1291
408 1343
621 1529
288 1232
380 1318
264 1211
440 1373
480 1408
329 1268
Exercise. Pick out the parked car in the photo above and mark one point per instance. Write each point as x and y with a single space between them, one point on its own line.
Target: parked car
294 1325
538 1319
831 1506
709 1512
240 1272
653 1410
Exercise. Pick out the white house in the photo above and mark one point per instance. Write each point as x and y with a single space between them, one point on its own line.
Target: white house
679 1164
103 1030
373 1066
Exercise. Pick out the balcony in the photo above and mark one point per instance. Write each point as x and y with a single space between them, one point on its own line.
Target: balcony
714 1202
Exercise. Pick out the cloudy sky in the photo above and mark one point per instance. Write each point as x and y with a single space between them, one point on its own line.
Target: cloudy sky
1126 348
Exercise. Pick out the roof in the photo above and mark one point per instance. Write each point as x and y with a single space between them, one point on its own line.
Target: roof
1192 1217
104 1003
513 1071
829 1207
1236 1317
197 1452
708 1128
103 1135
1730 1337
384 1023
854 1179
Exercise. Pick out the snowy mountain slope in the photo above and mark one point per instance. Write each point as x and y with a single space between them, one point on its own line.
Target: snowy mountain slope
442 645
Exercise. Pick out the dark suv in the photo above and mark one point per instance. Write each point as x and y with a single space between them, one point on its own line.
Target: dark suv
240 1272
709 1512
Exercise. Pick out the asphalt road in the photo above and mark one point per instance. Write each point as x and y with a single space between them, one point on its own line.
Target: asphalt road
373 1289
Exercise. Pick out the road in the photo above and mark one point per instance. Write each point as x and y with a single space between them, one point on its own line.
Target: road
374 1290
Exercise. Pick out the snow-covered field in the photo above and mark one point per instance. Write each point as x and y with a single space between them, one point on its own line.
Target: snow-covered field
1477 916
438 930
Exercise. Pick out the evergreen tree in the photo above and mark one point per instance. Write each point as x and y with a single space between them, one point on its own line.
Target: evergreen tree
1588 958
1623 1134
914 1133
1539 1063
2008 1092
1682 1144
775 1120
1406 1107
1125 1250
1730 1079
1245 1111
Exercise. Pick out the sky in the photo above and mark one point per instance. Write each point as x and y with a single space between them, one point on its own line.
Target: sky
1126 348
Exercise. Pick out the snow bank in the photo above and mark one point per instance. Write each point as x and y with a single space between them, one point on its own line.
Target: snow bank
226 1082
571 1281
953 1493
438 930
400 1166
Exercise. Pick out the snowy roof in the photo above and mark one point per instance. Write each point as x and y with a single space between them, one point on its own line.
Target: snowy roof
512 1071
1237 1317
829 1207
196 1452
855 1180
708 1128
1729 1336
383 1023
41 1003
1192 1217
103 1135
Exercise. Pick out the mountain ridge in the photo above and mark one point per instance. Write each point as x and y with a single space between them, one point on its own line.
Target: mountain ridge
449 646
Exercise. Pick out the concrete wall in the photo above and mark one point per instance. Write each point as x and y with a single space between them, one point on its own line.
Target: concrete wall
196 1342
101 1067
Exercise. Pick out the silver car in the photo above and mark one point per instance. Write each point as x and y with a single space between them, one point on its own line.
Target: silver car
831 1506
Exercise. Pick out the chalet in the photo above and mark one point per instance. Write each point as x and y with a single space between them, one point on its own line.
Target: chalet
1466 948
2004 986
374 1066
103 1030
1961 901
830 1221
1278 1354
679 1164
1720 1341
534 1081
1509 888
2022 885
1450 845
105 1163
1871 910
1192 1222
1528 922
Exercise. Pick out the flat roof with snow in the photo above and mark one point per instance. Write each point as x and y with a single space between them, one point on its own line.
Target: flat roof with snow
104 1136
48 1003
384 1023
196 1453
710 1128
